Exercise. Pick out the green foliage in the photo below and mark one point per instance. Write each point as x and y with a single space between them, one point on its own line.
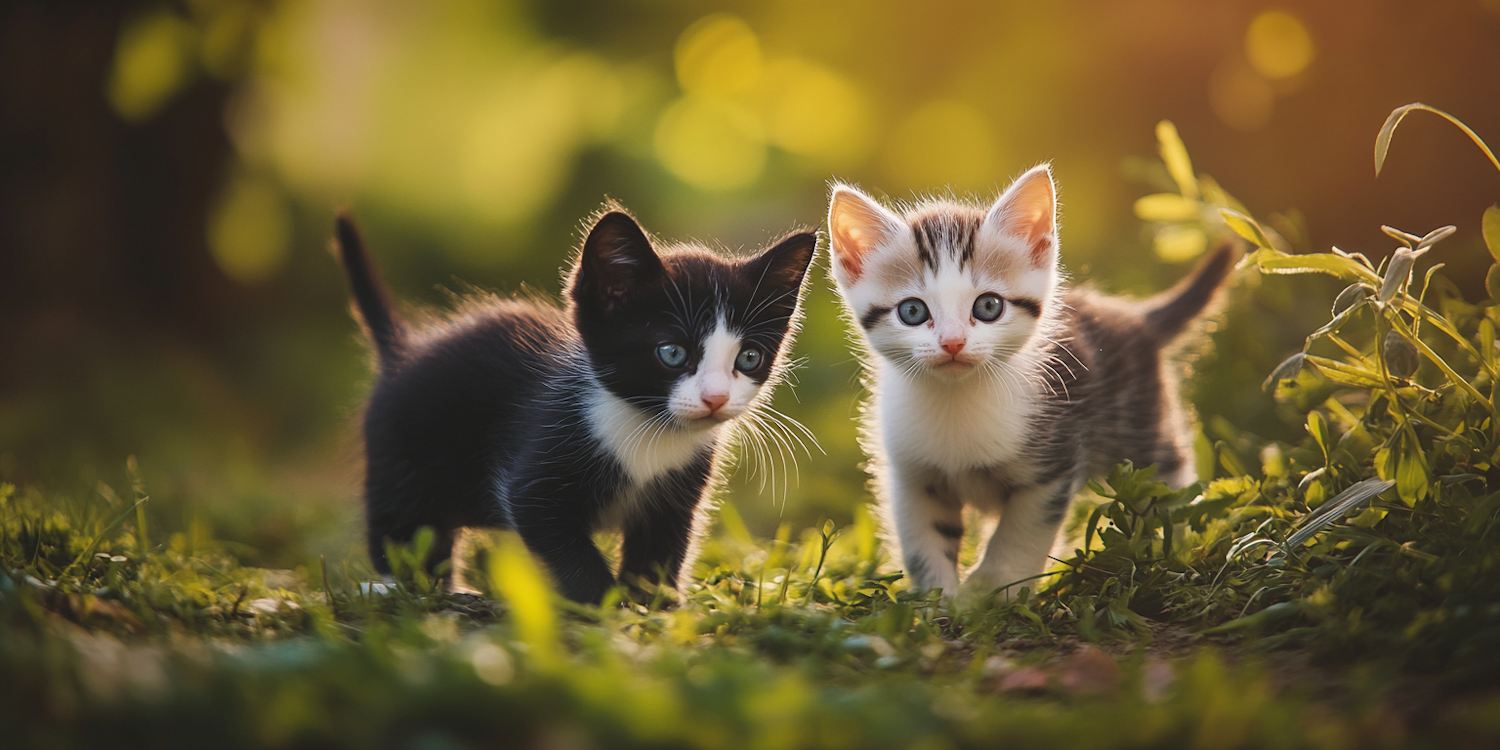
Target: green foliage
785 645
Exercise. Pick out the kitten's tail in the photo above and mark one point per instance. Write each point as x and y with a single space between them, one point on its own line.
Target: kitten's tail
1168 313
387 329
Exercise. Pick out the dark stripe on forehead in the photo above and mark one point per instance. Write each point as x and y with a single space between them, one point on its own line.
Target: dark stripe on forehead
924 247
873 316
946 232
1031 306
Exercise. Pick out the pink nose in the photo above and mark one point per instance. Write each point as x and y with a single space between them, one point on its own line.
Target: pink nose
953 347
714 401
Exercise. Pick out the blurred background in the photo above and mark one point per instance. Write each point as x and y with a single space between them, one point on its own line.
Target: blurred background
169 171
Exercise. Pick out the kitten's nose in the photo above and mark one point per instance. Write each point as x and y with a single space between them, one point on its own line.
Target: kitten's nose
714 400
953 346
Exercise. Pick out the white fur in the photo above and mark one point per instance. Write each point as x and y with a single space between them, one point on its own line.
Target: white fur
646 448
950 429
715 377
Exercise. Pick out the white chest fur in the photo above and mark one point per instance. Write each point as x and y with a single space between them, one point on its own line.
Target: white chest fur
957 426
646 447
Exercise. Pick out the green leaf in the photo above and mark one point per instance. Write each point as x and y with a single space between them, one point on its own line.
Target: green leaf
1383 140
1491 229
1270 615
1319 431
1246 227
1335 509
1175 155
1335 265
1411 474
1166 207
1345 374
1287 370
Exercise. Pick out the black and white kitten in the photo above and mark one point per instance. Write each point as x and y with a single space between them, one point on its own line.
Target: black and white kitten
555 422
992 385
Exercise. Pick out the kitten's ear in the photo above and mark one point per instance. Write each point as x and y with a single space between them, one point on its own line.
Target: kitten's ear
857 225
1028 210
781 267
617 259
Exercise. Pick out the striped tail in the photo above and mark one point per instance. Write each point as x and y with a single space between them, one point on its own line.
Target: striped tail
1169 313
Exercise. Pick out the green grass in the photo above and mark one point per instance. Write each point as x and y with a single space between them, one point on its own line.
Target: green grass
1335 592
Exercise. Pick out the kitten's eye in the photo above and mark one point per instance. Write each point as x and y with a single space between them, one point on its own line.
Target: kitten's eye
748 360
912 311
988 307
672 355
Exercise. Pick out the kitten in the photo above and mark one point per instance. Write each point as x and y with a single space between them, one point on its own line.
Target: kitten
554 422
993 386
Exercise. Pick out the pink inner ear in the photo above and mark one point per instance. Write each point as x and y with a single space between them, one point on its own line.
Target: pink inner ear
856 227
1040 247
1029 209
851 263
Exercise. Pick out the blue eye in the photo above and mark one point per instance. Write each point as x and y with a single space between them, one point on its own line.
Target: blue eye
912 311
749 359
672 355
988 307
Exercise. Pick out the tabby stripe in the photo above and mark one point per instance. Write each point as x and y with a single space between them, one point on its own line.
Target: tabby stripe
948 530
1031 306
924 249
873 316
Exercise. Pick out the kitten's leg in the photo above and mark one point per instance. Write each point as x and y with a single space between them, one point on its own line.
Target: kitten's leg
556 534
659 540
928 517
1018 549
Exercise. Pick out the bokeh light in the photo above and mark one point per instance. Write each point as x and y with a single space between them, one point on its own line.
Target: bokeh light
1240 97
816 112
718 55
1278 44
152 62
249 231
711 143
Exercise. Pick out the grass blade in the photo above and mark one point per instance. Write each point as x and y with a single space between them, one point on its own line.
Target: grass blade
1383 140
1336 508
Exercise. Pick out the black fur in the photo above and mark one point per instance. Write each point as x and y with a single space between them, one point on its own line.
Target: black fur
482 419
386 329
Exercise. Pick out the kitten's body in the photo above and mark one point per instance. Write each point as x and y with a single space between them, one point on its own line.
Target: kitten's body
1008 415
555 422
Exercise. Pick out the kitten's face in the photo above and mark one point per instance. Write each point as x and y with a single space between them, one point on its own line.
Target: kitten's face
687 337
947 290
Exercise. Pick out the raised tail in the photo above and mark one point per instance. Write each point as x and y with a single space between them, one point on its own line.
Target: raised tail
1169 313
387 329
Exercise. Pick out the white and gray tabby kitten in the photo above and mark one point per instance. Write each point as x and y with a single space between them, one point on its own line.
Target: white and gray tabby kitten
993 385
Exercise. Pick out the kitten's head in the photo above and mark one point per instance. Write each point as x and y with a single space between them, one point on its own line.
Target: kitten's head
683 334
948 290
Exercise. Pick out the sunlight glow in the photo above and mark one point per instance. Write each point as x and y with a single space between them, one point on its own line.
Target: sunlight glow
250 230
711 143
1278 45
942 142
816 112
718 54
152 62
